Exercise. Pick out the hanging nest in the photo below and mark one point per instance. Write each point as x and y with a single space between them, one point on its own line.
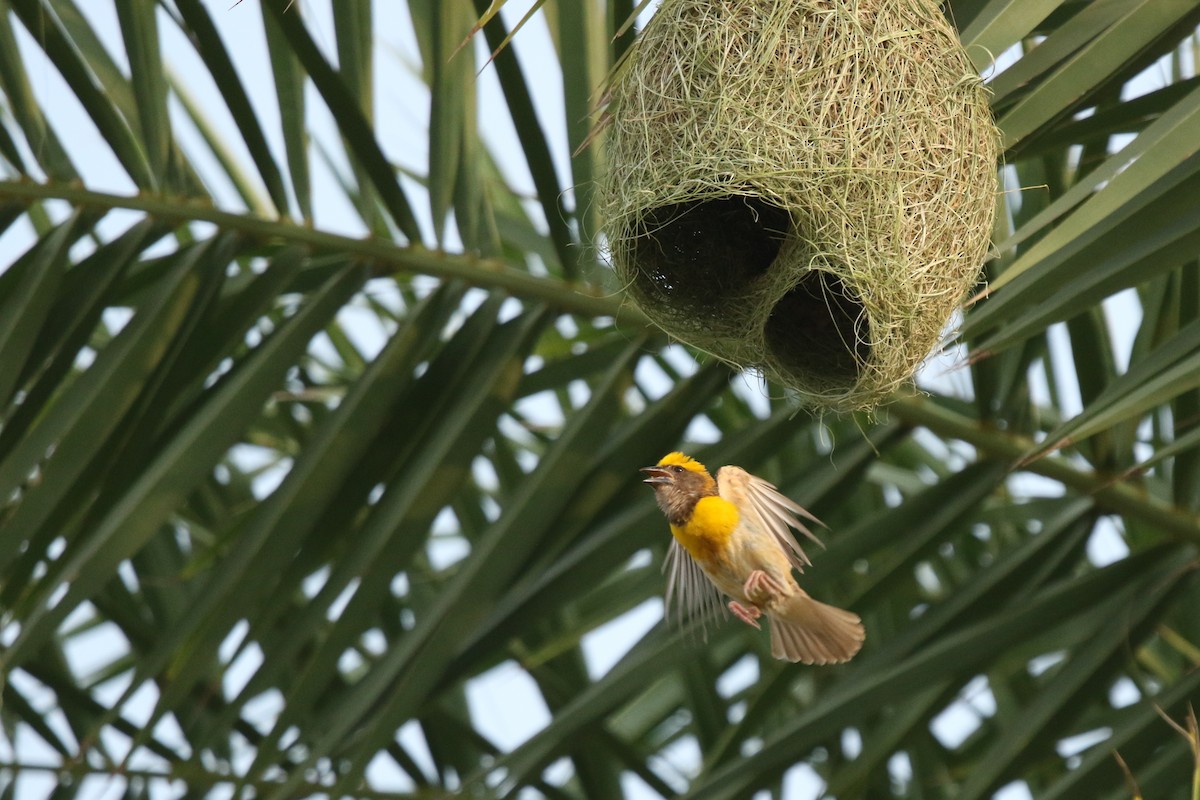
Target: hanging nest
803 187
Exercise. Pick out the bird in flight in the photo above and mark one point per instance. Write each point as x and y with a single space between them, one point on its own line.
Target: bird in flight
730 535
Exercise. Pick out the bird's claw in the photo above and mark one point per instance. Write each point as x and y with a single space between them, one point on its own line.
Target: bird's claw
747 614
761 588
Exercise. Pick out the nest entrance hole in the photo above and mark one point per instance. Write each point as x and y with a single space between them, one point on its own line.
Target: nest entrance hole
698 255
819 329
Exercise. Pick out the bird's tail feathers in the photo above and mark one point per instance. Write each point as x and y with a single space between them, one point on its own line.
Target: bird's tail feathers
807 630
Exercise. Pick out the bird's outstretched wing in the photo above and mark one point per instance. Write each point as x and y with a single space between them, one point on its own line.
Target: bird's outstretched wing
773 511
690 593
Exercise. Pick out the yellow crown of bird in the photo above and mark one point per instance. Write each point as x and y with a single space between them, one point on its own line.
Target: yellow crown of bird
685 461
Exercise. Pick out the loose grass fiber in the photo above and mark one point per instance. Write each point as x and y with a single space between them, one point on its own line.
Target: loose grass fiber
803 187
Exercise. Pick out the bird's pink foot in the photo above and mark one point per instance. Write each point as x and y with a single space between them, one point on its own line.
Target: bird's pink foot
748 615
761 588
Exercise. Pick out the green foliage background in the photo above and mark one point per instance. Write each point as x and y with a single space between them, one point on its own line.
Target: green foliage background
305 548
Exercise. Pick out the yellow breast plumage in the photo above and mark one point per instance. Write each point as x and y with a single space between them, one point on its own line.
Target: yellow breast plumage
706 533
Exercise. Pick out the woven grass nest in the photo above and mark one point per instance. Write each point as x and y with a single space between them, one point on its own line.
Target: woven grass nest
802 187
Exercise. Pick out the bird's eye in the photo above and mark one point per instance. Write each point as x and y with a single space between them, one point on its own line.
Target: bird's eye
677 468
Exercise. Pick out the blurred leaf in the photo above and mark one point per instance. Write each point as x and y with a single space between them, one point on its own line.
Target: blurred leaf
1168 371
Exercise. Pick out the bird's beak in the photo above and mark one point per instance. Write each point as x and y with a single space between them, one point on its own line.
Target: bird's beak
658 475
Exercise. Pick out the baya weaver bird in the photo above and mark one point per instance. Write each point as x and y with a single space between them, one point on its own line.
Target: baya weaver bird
731 536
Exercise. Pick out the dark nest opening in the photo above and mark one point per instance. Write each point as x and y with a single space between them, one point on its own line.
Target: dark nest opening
819 328
700 255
